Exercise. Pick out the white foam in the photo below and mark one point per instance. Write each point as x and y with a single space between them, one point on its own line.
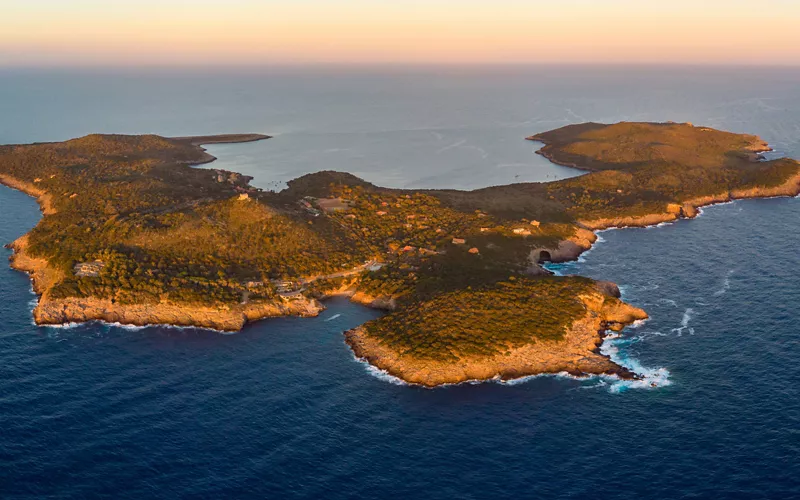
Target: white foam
528 378
376 372
456 144
649 378
648 287
660 224
129 327
62 326
726 284
687 317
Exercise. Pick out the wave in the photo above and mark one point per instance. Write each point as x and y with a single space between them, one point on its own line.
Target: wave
132 328
456 144
687 317
376 372
650 378
726 284
62 326
646 288
528 378
661 224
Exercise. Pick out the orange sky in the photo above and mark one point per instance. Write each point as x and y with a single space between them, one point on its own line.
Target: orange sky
124 32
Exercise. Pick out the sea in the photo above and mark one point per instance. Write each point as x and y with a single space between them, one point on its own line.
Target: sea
283 410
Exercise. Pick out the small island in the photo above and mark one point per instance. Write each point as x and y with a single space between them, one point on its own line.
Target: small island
134 233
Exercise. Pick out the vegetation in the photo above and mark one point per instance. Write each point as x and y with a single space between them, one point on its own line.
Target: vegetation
457 263
486 320
639 168
164 230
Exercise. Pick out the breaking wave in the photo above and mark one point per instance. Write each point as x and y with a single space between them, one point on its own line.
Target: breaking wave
615 347
376 372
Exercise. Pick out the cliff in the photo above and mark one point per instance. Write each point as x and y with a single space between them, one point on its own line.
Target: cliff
577 353
50 311
230 319
457 272
690 208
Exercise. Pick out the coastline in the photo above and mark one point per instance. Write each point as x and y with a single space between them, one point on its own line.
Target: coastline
199 141
690 209
577 354
42 197
371 352
56 312
53 312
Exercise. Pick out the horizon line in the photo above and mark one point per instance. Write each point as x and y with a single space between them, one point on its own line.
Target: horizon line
393 64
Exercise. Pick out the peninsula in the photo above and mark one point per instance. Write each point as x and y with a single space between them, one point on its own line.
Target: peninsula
133 233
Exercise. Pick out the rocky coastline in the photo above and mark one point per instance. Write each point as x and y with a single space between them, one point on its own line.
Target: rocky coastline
535 359
576 354
50 311
690 209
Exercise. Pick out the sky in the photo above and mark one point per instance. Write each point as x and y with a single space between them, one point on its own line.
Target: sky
243 32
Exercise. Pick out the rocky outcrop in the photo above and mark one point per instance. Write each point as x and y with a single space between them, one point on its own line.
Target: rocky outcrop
42 275
383 302
577 353
608 288
568 249
789 188
45 199
631 221
51 311
690 208
78 310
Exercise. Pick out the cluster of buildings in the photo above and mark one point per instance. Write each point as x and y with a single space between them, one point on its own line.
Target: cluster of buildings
88 269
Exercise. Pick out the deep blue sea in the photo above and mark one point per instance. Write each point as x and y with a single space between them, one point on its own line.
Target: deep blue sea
282 409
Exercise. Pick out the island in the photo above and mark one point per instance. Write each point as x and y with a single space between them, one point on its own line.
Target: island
133 232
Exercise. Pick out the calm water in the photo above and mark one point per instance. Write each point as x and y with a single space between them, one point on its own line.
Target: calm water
282 410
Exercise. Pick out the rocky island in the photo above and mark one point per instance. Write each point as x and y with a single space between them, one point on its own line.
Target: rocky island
133 233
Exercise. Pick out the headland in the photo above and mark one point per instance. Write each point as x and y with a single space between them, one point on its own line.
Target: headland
133 233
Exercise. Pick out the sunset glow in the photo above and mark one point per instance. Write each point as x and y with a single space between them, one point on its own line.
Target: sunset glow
46 32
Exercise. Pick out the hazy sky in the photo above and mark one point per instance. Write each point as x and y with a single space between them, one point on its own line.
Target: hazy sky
67 32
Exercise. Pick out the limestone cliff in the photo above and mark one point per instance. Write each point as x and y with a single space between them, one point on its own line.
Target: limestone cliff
577 353
50 311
